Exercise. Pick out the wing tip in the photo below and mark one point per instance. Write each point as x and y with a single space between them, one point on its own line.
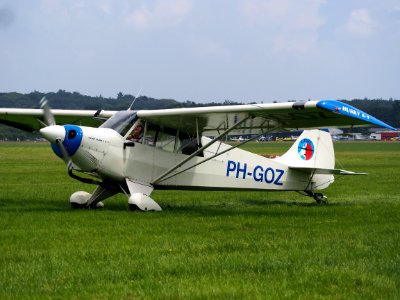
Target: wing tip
350 111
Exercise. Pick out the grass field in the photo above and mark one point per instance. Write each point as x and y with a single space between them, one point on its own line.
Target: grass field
204 245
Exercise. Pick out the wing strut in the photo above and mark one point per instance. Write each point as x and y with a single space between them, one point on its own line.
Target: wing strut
215 155
169 171
197 132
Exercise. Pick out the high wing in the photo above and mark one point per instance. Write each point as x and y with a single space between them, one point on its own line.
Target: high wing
244 119
259 118
33 119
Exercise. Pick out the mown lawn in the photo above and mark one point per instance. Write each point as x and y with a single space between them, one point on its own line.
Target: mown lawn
243 245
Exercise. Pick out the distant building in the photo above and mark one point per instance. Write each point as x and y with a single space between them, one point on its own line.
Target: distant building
384 135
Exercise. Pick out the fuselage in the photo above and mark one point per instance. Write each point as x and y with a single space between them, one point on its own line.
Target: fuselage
101 152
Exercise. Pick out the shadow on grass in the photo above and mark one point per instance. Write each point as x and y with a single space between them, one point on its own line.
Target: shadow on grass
309 203
251 207
213 211
243 206
65 207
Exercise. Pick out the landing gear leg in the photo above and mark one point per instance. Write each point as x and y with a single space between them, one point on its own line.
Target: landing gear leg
83 199
318 197
140 197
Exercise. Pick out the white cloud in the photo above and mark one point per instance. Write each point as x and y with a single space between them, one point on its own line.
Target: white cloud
65 11
105 7
164 13
360 23
292 25
289 14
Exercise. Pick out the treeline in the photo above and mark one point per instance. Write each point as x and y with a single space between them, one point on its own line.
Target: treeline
67 100
385 110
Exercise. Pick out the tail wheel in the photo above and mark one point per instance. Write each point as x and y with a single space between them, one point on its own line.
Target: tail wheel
320 198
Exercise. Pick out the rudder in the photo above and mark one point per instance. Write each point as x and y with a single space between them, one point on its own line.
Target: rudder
312 151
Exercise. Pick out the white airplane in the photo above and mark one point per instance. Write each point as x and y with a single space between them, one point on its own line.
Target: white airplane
173 152
238 139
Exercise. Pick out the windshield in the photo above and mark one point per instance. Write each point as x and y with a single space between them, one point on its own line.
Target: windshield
121 121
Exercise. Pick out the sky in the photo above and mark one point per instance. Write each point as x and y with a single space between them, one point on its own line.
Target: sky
203 50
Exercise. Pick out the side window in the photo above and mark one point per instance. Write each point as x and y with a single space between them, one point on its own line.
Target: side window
150 134
143 132
161 137
188 144
136 133
168 139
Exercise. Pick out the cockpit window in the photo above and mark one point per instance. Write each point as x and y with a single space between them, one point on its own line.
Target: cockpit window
121 121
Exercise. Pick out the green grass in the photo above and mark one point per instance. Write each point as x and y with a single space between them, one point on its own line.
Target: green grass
204 245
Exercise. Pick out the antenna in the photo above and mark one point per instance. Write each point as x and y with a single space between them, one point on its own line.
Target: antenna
134 100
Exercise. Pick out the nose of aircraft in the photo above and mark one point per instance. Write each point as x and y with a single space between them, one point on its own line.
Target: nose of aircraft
52 133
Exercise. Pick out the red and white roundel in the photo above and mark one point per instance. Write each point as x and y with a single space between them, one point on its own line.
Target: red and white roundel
306 149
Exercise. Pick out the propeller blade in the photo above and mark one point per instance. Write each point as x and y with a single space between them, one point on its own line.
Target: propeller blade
52 132
48 115
64 154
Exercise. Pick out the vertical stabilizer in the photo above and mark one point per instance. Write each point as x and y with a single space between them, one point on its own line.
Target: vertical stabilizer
312 151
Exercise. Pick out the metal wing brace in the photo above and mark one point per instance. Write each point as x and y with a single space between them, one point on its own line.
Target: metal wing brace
167 174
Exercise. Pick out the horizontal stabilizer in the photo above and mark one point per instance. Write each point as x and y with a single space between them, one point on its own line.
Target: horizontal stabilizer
326 171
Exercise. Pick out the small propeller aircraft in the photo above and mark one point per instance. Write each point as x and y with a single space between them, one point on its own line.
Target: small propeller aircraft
134 152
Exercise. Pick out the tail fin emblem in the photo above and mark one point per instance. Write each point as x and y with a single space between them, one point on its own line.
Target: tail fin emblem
306 149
